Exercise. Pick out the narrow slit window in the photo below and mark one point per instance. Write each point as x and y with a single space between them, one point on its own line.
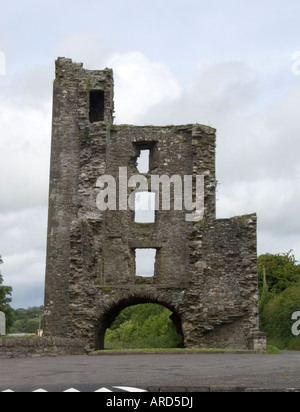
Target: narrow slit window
143 161
96 106
145 262
144 207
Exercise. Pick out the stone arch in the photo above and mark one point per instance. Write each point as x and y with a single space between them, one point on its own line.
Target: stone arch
115 308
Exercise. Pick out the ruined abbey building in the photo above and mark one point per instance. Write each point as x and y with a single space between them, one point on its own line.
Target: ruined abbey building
205 271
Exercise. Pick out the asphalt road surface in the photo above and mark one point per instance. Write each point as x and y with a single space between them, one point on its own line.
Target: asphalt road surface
154 372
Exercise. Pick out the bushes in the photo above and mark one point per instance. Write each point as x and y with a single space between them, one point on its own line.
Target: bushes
279 281
276 318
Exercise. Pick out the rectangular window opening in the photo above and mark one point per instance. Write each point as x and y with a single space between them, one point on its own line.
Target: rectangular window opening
144 207
96 106
145 262
146 156
143 161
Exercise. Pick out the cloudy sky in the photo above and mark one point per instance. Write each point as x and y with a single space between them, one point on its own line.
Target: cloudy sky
234 65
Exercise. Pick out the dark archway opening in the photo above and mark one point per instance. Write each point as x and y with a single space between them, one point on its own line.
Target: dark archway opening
139 325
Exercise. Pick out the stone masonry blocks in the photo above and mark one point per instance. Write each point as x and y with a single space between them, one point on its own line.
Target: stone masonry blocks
205 271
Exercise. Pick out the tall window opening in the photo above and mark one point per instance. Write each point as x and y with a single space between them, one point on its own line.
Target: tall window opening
144 207
143 161
145 262
96 106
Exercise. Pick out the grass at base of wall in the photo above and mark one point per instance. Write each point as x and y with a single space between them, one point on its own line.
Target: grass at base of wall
273 350
179 350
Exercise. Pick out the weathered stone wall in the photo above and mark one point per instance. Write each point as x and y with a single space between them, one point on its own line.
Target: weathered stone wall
205 272
74 164
224 273
35 346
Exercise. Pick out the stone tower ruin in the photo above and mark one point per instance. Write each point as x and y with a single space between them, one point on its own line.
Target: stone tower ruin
205 271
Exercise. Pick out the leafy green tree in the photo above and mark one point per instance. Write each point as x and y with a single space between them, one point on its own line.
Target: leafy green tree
265 297
5 300
281 271
27 320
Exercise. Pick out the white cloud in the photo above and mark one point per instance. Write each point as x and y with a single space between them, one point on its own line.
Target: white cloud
24 156
216 92
140 84
81 47
275 201
23 230
27 269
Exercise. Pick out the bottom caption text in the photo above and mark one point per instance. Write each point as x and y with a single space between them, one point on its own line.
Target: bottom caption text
150 401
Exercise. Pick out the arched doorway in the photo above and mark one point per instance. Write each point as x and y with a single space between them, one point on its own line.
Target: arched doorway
143 326
111 315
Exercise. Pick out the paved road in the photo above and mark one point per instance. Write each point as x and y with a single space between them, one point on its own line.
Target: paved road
87 373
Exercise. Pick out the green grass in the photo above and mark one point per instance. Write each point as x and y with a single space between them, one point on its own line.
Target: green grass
168 350
271 350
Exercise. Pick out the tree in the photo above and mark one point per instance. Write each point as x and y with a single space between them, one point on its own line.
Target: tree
5 300
281 271
264 299
27 320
